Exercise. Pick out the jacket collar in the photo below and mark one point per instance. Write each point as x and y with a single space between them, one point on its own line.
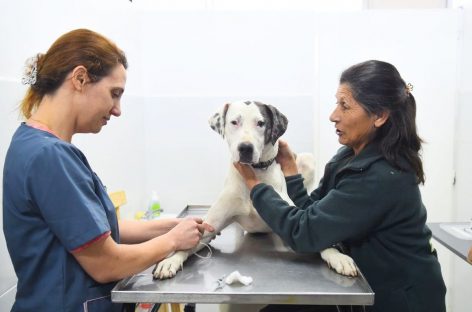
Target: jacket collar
369 154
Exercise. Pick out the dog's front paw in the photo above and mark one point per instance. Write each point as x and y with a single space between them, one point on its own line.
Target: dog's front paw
340 262
167 268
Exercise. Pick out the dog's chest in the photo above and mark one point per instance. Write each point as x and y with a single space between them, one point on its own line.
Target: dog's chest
253 223
274 176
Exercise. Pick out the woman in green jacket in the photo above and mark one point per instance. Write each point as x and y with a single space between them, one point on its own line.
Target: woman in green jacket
368 198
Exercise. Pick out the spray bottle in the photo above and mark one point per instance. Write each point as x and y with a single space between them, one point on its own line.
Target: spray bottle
154 208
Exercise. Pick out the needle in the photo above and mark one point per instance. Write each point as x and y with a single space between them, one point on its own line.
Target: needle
220 282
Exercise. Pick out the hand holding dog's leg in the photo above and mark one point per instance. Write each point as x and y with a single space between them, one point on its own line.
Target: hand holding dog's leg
168 267
188 233
214 222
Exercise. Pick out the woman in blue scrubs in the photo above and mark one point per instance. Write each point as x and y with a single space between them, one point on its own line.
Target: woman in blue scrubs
66 244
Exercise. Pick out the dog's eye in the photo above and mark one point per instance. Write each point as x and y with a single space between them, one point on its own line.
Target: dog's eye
260 123
234 122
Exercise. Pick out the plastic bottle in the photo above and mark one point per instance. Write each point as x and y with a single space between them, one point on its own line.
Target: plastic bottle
154 208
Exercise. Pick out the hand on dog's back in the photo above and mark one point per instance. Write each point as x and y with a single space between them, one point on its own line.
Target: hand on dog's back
286 159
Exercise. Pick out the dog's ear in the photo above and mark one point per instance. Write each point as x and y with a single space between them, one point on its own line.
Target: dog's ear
279 124
218 120
276 123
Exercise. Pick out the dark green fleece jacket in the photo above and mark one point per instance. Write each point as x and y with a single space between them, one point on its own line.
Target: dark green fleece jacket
376 211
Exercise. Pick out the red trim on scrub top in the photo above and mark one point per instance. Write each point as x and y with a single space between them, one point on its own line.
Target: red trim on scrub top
40 126
80 248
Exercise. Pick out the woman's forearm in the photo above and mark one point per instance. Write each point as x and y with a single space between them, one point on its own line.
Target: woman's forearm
107 261
134 231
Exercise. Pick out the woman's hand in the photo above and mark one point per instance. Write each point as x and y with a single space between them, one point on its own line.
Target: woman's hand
173 222
248 175
188 232
286 159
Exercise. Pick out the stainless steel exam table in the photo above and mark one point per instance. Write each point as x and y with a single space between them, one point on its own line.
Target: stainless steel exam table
280 276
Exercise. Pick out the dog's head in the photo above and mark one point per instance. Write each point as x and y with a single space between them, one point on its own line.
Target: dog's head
249 127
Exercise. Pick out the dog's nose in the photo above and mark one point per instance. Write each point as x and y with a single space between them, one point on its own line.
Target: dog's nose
245 148
245 152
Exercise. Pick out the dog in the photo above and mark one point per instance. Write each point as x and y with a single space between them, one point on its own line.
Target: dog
252 130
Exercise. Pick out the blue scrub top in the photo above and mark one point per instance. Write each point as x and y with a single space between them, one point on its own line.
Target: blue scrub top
53 204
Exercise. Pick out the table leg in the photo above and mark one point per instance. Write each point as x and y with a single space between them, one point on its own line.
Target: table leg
163 308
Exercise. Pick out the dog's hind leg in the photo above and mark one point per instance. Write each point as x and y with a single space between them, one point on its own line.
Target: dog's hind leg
306 167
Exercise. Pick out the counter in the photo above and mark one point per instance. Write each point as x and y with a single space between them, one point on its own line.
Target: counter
455 236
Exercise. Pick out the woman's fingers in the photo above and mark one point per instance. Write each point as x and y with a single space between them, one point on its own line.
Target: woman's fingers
197 219
245 170
205 227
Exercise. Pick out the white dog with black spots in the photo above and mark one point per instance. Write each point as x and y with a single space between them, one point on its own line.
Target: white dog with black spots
252 131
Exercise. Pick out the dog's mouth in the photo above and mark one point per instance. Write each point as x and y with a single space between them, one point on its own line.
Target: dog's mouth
246 162
246 159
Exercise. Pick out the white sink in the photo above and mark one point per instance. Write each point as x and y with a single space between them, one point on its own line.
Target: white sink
459 230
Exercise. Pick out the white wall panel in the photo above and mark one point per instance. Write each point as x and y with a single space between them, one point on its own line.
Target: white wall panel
11 93
462 271
7 299
226 54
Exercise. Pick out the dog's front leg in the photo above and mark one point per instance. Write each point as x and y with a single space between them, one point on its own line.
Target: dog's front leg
222 212
341 263
168 267
217 216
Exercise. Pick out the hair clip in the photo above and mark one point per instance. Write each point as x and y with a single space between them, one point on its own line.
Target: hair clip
409 88
31 71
